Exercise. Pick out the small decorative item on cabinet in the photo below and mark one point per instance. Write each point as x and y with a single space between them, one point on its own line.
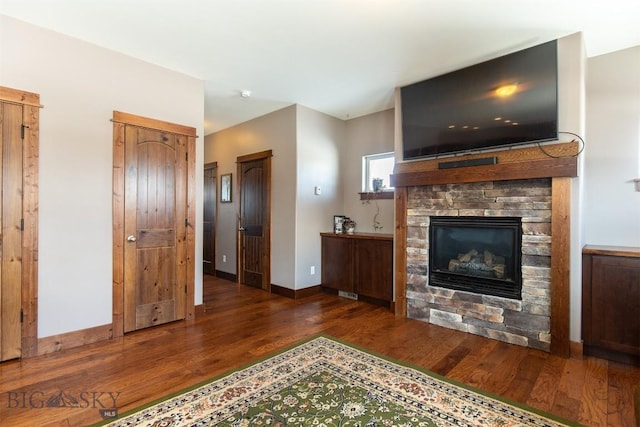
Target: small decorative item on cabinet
338 224
349 225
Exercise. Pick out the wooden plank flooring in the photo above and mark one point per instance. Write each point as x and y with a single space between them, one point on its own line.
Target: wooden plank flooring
243 324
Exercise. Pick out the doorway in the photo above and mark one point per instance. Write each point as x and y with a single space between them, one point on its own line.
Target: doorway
254 228
209 218
154 219
19 141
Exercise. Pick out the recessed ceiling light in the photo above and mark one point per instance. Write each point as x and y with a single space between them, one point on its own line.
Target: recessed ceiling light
506 90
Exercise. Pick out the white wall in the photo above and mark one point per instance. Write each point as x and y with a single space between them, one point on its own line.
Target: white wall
319 155
370 134
571 117
275 131
80 85
612 207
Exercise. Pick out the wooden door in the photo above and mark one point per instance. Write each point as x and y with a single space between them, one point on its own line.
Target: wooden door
209 219
19 136
11 237
153 222
254 229
155 204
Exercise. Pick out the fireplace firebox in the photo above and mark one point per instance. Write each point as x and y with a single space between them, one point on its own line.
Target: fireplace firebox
476 254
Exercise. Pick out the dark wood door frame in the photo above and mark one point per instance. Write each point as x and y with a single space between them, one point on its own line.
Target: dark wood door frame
120 120
209 219
266 246
30 103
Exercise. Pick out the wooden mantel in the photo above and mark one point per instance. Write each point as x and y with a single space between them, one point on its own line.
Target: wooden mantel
556 161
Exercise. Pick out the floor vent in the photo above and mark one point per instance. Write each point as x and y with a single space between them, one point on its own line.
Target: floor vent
349 295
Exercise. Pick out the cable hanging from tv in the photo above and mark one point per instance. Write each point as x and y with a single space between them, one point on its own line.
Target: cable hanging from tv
580 149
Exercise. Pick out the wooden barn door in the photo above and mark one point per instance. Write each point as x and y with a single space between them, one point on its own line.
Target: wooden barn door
18 218
156 248
254 235
11 236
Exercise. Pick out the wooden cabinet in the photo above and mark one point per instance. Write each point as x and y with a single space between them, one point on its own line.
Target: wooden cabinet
361 263
373 267
337 263
611 303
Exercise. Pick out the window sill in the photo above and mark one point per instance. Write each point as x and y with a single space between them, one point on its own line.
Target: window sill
377 195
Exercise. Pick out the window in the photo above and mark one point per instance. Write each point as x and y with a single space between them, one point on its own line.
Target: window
377 166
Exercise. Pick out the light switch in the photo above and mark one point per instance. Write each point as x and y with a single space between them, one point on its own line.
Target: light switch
317 190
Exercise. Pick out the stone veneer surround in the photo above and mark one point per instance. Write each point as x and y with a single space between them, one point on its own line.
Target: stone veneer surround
524 322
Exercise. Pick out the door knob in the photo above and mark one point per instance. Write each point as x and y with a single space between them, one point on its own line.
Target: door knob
131 238
241 228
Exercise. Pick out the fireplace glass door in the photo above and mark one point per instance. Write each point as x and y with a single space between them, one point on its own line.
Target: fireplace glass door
476 254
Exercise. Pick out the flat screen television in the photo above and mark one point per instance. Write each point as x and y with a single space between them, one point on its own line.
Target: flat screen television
504 101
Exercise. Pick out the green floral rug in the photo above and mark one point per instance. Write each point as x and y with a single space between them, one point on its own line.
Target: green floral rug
324 382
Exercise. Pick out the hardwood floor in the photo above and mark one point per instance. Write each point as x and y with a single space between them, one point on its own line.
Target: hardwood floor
242 324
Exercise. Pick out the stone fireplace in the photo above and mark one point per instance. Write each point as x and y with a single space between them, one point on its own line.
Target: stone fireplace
518 316
528 184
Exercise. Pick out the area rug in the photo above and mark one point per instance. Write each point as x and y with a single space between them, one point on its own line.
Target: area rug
326 382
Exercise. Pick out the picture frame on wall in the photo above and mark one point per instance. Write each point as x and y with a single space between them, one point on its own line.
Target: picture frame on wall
225 188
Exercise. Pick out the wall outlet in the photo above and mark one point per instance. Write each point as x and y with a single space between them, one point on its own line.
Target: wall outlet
313 270
224 258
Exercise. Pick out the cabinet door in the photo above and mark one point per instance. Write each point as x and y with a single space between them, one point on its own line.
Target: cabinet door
374 276
615 304
337 263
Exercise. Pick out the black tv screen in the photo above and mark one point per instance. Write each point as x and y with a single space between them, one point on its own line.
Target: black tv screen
504 101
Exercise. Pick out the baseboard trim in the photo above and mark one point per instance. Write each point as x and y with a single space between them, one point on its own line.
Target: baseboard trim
73 339
576 349
227 276
200 310
614 356
293 293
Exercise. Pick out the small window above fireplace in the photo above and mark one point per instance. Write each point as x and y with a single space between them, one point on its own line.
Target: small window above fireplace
476 254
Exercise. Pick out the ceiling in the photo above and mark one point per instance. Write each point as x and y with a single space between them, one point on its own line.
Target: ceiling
339 57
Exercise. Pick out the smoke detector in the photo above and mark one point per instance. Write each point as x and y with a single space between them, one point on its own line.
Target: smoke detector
245 93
